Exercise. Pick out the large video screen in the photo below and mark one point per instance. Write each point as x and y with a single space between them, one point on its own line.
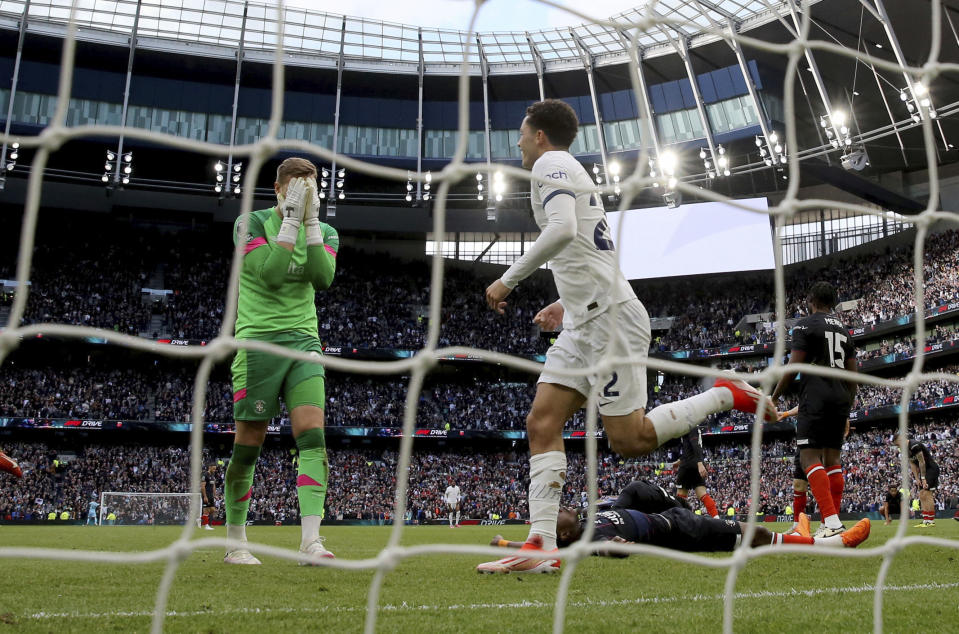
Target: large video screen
693 239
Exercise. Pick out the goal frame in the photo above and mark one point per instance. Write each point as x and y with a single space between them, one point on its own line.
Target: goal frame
104 494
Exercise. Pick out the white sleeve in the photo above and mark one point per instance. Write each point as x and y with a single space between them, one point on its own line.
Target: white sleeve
560 230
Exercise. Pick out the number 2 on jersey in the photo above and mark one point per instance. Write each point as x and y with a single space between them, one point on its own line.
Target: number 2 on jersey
834 344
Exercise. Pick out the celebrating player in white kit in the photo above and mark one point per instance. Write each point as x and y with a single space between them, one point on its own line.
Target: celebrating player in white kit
452 498
599 313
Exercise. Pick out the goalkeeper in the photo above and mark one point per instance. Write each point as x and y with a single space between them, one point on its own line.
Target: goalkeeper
288 255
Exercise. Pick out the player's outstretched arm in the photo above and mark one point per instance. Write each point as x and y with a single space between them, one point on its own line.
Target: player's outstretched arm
788 414
796 356
322 243
560 230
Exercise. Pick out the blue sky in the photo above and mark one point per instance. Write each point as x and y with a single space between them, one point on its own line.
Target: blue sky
495 15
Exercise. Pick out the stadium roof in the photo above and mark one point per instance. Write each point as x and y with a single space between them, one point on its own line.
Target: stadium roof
306 31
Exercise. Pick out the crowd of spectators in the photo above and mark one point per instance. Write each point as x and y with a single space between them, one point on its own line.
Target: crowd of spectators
363 482
82 280
377 301
459 401
73 393
904 347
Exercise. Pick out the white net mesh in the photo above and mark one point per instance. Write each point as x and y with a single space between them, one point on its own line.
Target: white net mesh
632 26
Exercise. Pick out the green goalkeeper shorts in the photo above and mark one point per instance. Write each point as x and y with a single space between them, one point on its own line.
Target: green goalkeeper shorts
260 377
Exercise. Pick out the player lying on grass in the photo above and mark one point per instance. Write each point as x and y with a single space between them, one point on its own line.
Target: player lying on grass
645 514
10 465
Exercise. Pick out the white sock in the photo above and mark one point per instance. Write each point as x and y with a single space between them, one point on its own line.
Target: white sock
547 476
832 521
309 529
457 517
675 419
235 532
450 516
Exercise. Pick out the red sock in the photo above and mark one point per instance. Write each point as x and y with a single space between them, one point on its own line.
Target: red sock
710 505
819 483
799 504
836 483
929 516
780 538
204 520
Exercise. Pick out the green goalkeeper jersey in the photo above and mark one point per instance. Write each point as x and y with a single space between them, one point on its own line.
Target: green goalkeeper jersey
277 287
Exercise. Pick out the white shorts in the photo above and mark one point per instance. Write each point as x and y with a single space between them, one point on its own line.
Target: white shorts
622 391
452 506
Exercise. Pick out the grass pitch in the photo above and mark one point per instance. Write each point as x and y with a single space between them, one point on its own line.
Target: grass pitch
443 593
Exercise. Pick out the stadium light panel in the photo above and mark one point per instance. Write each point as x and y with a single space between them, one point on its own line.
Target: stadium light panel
669 161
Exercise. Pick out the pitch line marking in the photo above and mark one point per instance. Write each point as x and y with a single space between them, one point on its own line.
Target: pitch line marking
406 607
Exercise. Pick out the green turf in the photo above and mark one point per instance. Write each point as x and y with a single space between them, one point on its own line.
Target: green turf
444 593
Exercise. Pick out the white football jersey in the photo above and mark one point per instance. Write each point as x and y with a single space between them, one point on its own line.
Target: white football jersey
452 495
585 270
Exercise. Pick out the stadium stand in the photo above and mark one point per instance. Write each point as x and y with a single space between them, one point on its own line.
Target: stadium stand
363 484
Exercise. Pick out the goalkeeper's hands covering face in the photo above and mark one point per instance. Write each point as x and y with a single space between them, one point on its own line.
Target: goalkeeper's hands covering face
311 216
293 204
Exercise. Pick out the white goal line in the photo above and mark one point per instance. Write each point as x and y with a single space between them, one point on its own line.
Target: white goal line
537 605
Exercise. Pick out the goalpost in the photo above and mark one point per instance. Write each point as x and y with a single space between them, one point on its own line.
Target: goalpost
149 508
256 154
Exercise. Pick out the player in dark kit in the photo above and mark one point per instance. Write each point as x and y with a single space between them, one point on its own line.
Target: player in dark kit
646 514
824 403
208 491
692 472
926 472
893 503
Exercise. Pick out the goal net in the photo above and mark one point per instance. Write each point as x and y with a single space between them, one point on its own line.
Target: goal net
125 508
182 508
